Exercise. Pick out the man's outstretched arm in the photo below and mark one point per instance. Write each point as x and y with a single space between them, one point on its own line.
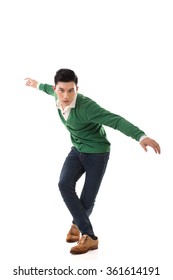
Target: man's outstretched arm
49 89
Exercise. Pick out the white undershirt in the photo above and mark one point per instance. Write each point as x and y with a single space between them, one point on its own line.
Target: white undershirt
66 111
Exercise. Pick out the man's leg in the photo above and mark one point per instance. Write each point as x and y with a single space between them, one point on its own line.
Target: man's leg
95 166
72 170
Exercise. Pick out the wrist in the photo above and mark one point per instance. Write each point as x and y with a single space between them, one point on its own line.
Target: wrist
142 138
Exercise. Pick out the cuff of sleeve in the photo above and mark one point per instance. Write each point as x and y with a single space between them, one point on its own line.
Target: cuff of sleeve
38 84
142 137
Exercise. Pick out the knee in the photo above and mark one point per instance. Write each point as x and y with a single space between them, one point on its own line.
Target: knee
89 211
65 187
61 185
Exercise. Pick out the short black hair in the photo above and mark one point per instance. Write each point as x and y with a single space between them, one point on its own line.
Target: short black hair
65 75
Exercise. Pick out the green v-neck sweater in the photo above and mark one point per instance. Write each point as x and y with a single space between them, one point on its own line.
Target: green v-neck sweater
85 124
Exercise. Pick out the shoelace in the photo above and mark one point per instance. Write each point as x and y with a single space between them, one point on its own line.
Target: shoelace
83 239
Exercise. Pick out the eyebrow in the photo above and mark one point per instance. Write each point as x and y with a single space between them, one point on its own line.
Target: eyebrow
64 89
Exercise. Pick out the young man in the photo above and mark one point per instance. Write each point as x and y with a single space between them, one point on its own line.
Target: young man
84 119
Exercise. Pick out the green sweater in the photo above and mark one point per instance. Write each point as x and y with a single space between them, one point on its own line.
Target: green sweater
85 124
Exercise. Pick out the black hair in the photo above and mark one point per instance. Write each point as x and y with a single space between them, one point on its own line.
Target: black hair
65 75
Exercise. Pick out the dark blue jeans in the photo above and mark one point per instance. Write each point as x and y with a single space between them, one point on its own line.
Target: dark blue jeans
75 165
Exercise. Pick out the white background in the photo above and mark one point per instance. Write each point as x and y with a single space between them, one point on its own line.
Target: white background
122 54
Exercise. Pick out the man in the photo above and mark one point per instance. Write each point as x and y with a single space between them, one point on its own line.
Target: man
84 119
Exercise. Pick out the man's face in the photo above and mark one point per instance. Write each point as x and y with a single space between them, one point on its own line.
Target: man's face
66 92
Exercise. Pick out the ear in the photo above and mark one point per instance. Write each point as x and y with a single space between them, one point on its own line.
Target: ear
54 87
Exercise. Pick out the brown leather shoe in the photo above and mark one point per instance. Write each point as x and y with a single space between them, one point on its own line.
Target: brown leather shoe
85 244
73 234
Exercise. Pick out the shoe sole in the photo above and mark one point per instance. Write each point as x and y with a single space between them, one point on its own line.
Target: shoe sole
83 252
72 241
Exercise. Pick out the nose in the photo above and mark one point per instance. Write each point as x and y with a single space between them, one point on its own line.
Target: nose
66 95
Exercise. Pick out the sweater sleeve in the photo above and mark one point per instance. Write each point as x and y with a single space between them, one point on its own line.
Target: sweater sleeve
47 88
96 114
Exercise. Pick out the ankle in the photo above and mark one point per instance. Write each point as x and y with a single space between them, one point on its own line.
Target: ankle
92 236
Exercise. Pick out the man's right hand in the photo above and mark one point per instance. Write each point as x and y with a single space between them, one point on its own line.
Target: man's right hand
31 83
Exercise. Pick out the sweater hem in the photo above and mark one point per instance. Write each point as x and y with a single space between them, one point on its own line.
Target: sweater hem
92 151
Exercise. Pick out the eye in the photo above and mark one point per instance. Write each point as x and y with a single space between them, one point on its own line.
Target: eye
71 90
